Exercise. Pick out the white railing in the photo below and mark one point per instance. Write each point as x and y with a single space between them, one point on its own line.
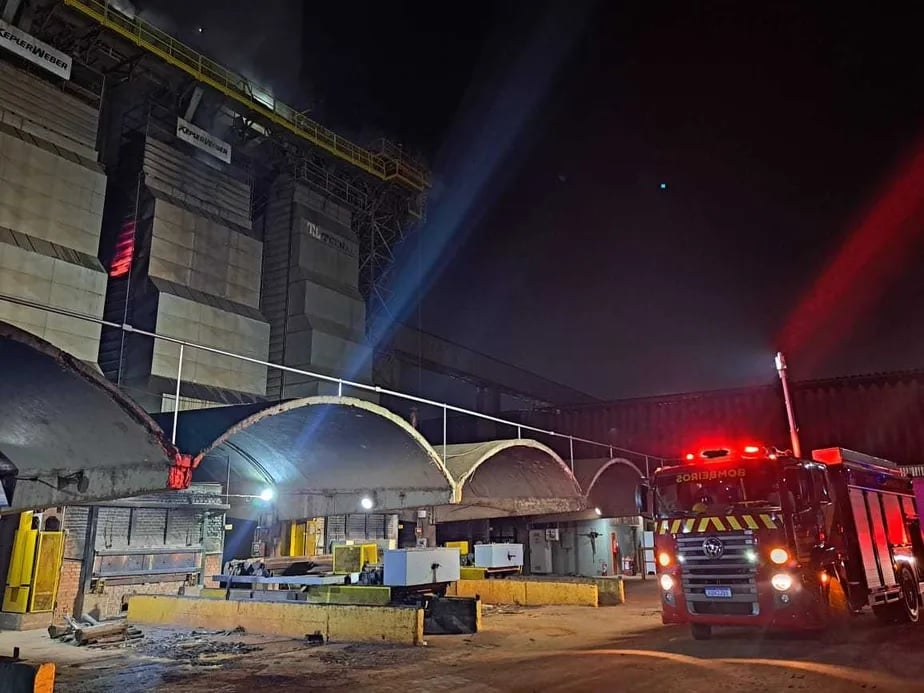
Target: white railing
341 383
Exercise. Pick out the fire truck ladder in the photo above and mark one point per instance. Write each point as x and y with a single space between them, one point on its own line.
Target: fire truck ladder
389 165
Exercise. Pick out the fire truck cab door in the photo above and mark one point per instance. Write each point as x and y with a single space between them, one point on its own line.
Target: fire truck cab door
805 512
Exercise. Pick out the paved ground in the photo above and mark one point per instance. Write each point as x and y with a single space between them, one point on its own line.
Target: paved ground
546 649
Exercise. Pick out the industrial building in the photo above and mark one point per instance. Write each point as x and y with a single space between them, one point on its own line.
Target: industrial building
146 185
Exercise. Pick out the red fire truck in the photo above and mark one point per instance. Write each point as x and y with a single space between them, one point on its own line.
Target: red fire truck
751 536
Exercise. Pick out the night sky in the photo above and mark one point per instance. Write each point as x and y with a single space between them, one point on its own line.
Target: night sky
550 127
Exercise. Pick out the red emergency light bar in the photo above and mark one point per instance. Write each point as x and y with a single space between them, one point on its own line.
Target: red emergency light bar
729 452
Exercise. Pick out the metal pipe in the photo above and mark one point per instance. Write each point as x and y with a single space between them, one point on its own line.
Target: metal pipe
176 402
790 414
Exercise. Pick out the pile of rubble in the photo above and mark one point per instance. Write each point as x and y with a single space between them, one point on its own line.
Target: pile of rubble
92 633
198 648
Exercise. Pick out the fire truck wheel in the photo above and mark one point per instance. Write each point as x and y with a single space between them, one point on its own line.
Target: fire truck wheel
911 603
837 611
701 631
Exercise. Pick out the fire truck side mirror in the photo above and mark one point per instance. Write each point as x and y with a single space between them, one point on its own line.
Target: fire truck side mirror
643 499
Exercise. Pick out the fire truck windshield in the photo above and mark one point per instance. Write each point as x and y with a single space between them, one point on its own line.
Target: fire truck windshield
716 489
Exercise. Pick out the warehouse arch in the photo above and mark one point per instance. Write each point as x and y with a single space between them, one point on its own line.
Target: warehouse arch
512 477
610 484
68 435
323 455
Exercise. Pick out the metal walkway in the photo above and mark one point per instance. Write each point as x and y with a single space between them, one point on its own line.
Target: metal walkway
389 165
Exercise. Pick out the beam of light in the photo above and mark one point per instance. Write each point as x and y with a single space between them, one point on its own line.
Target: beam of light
478 157
855 280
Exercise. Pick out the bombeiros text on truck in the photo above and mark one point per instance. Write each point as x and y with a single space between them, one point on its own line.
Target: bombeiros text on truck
748 535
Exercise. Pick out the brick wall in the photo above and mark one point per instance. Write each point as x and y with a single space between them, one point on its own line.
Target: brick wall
109 603
179 524
68 588
211 566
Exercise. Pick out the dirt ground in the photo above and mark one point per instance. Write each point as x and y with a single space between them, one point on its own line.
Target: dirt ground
621 648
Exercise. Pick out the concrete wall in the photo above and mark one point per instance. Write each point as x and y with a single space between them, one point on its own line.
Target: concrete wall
379 624
196 277
52 193
311 296
575 553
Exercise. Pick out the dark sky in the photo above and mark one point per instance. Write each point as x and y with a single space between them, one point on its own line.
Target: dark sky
777 128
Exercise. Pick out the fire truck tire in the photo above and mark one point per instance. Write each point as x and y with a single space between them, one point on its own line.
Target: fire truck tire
911 601
837 611
701 631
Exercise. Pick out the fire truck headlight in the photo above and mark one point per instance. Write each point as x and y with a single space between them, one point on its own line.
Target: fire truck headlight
667 582
664 559
779 556
781 582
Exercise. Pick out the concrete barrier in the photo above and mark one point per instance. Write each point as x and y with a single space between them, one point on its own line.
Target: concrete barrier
292 619
528 592
611 590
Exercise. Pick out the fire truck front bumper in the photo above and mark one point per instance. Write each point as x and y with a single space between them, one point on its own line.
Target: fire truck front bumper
767 607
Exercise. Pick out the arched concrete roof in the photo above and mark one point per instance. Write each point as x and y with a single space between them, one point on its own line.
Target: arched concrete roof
609 484
323 455
509 477
60 417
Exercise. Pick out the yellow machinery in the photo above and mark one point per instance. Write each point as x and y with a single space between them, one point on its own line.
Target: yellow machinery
350 558
303 538
35 569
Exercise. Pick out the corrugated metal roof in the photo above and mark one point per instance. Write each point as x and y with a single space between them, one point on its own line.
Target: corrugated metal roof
881 415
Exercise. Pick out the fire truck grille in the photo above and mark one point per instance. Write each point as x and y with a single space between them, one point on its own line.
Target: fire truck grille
725 584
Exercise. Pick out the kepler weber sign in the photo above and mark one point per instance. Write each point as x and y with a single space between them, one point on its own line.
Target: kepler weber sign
198 137
26 46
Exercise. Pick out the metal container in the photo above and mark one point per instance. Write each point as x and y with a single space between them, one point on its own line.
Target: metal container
410 567
499 555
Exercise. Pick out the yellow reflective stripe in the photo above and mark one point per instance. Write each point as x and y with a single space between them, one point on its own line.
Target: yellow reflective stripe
733 522
768 521
688 526
675 527
662 527
704 524
719 525
749 521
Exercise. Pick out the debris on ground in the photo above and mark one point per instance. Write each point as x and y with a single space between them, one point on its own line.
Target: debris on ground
502 609
240 630
96 634
368 656
315 639
197 648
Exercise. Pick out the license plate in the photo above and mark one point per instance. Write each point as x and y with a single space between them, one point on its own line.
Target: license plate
719 592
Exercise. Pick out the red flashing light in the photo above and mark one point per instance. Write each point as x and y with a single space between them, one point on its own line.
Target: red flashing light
751 449
690 456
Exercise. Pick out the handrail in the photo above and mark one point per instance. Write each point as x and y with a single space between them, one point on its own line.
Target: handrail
388 165
340 382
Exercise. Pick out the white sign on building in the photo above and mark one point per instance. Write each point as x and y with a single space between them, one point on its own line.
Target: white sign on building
27 46
200 138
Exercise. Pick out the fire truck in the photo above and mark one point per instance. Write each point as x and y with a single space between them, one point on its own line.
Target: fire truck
754 536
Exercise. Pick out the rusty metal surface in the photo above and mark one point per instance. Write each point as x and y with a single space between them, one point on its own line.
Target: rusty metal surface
59 417
323 454
882 415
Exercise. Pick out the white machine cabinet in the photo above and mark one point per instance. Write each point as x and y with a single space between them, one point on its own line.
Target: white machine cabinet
421 566
498 555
